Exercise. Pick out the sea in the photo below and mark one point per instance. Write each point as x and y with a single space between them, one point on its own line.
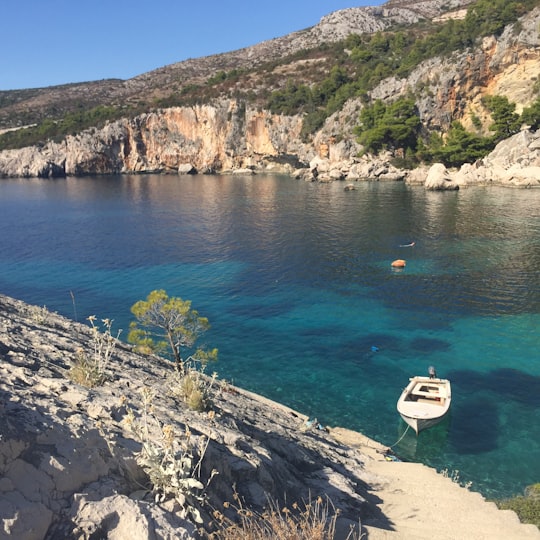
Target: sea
305 307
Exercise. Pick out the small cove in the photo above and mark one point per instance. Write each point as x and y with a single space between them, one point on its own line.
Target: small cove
296 281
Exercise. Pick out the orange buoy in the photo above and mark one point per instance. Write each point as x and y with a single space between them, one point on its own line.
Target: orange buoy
398 263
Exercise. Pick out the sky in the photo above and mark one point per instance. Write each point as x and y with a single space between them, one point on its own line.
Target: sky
52 42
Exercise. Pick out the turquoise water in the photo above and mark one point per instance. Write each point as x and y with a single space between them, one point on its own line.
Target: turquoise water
296 281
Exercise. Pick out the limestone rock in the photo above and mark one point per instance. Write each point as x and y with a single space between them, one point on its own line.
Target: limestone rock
522 176
214 137
68 466
229 134
521 149
186 168
303 174
438 179
23 518
120 517
514 162
417 176
243 170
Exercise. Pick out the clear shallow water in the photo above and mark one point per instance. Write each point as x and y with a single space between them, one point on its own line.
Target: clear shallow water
296 280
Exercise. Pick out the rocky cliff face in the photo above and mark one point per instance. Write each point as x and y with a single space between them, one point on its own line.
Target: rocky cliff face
227 134
223 136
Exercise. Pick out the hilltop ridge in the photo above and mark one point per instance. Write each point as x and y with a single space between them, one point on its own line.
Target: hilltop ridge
23 107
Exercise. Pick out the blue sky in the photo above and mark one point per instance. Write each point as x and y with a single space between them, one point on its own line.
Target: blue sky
50 42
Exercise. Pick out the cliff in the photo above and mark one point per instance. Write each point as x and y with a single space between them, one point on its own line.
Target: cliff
106 460
224 135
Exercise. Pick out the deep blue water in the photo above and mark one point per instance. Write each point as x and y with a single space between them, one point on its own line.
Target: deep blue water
296 281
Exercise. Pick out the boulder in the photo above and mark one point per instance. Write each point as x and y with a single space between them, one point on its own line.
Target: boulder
392 175
336 174
439 179
303 174
523 148
417 176
186 168
523 176
321 165
243 170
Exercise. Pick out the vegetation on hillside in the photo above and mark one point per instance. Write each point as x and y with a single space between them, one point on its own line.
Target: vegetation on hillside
397 127
318 82
57 130
526 506
394 126
374 57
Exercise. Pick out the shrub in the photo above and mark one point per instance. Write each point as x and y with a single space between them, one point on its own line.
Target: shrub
192 387
172 461
90 369
526 506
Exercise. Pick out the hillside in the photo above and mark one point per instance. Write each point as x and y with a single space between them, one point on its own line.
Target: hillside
366 93
23 107
127 457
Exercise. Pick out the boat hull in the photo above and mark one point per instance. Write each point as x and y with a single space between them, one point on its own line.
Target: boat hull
419 424
425 402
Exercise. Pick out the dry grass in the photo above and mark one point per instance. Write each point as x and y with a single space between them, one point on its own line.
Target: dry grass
39 314
85 371
314 520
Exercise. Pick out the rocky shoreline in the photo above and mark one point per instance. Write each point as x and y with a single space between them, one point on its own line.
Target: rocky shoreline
515 162
68 453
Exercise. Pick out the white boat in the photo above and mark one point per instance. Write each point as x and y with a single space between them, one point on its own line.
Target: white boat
425 401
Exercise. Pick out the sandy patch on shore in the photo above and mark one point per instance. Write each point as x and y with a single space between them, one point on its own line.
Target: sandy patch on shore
417 503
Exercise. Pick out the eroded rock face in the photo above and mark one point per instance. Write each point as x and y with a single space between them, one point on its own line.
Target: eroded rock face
167 79
219 137
68 463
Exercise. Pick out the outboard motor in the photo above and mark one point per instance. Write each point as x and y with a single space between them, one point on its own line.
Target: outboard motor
432 372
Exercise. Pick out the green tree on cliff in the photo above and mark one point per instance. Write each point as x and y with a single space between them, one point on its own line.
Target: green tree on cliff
531 115
460 146
394 126
506 121
165 322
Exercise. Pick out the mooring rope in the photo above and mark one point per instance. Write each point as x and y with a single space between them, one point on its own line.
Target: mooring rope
399 440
